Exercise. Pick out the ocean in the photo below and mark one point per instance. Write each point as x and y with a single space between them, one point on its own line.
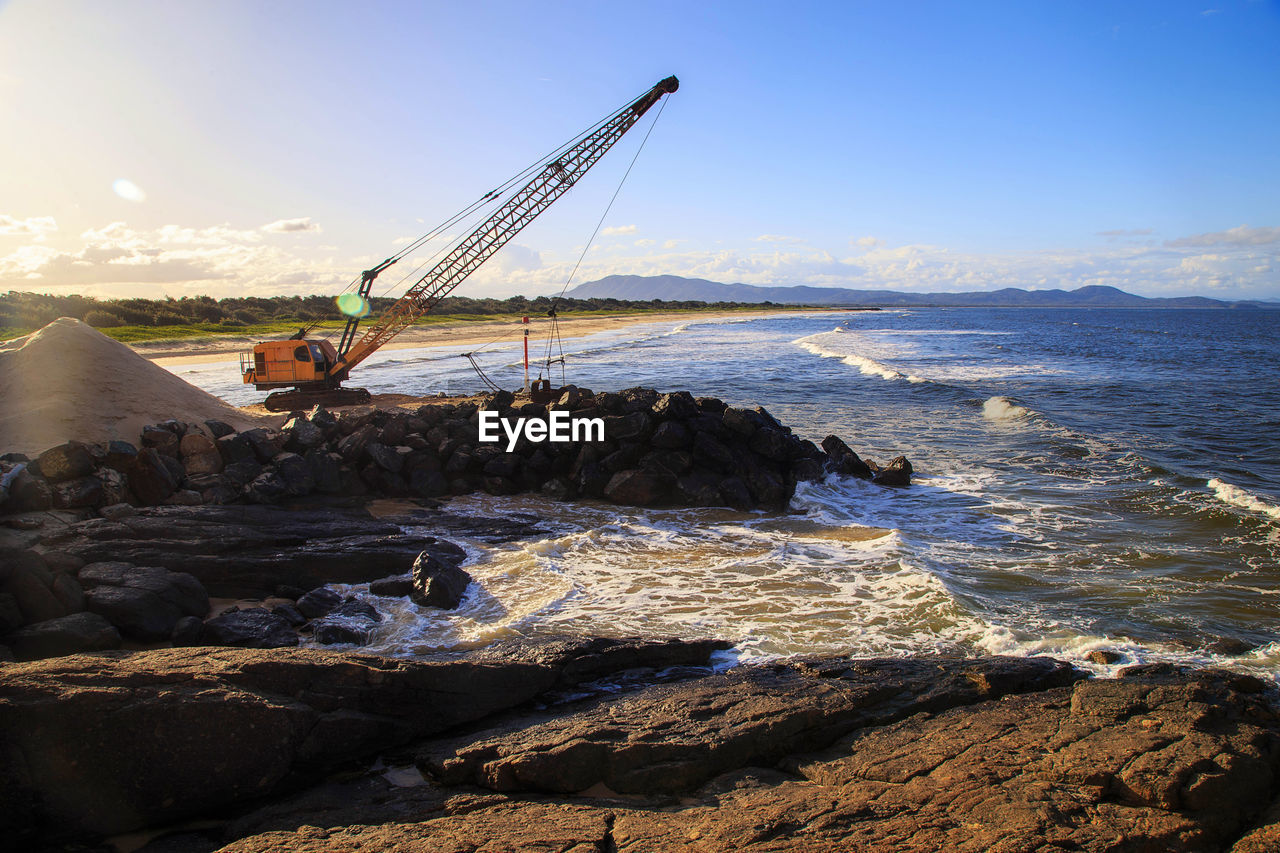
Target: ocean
1085 480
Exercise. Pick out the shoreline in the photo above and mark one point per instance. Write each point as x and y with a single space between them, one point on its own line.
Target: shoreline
459 333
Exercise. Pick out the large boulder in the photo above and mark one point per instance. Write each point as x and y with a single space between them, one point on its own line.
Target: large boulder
144 602
436 583
251 628
65 462
66 635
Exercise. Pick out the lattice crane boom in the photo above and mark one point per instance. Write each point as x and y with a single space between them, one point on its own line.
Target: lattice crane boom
553 181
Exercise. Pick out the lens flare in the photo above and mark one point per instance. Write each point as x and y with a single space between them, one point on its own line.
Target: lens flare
128 190
353 305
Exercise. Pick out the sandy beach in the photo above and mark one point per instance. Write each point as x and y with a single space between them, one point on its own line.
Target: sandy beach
460 333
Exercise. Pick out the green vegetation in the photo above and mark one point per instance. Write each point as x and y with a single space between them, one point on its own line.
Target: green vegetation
134 320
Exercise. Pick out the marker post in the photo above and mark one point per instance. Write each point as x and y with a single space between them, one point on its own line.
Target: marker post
526 354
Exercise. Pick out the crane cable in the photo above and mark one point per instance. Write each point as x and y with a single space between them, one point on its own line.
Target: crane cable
489 198
554 336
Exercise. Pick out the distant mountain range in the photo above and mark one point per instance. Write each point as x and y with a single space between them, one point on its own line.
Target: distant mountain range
673 288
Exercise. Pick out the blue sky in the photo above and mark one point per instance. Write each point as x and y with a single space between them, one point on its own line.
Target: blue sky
281 147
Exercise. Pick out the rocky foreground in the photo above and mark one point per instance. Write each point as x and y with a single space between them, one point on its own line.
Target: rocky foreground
596 745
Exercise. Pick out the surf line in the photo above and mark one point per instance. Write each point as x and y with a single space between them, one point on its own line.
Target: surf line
559 427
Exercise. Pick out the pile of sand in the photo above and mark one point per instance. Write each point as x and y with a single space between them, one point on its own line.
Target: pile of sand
69 381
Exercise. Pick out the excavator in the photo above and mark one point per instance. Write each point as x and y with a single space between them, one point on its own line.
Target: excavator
314 369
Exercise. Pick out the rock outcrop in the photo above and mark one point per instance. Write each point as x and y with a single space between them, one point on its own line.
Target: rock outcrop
832 755
94 745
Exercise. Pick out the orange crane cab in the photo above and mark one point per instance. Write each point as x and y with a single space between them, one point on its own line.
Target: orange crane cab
285 364
315 369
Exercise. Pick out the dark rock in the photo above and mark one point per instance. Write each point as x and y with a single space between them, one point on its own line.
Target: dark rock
734 494
65 462
384 457
242 472
81 492
672 435
773 444
710 452
188 631
322 418
161 440
26 577
698 489
252 628
744 422
844 461
66 635
1229 646
303 434
438 584
200 455
679 405
395 586
120 456
667 463
636 426
10 615
290 614
558 489
150 478
637 487
236 448
318 602
144 602
68 590
353 446
349 622
808 470
326 471
29 493
218 429
266 443
1105 657
896 473
267 488
295 472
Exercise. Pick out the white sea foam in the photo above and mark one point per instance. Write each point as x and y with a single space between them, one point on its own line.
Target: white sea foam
1002 409
1241 499
866 365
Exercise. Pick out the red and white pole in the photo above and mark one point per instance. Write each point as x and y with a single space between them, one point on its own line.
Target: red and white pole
526 354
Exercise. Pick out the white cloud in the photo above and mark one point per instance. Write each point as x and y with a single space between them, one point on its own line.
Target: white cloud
284 226
34 226
617 229
117 259
1241 235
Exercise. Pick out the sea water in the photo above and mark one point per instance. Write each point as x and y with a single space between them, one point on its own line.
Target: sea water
1085 479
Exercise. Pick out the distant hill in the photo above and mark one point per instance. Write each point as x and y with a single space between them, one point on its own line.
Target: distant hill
676 288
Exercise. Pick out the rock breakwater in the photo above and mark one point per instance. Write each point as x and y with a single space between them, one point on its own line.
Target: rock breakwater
658 450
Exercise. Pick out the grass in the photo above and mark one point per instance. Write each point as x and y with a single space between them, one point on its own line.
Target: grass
205 331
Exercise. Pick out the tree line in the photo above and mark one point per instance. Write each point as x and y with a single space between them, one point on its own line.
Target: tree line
20 310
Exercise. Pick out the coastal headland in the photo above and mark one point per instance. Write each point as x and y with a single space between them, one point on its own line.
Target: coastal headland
179 674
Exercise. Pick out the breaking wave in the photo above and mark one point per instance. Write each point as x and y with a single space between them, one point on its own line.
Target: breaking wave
1241 499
